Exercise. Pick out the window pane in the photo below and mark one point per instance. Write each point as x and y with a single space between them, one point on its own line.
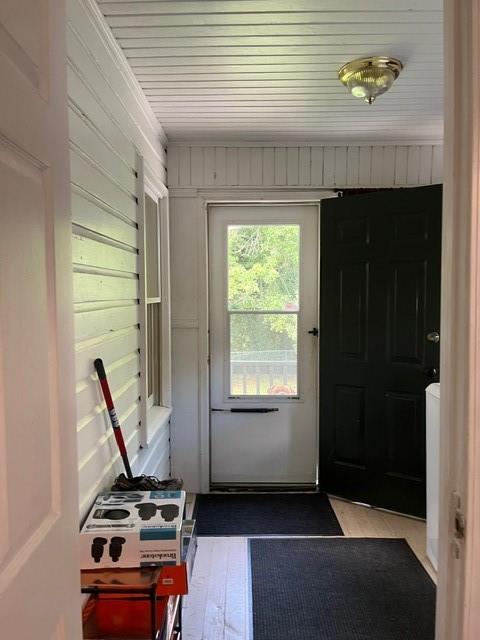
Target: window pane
263 267
153 352
263 354
151 248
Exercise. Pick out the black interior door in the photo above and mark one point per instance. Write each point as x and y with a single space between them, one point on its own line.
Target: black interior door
380 300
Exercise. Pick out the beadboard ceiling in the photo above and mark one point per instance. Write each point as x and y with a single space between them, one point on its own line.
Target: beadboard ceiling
250 71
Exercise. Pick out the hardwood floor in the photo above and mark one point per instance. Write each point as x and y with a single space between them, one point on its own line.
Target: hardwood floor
362 522
218 605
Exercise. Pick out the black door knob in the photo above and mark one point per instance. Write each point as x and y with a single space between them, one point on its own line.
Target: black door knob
431 372
314 331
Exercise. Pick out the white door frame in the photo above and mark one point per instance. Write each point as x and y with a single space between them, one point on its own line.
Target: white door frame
458 602
39 542
205 199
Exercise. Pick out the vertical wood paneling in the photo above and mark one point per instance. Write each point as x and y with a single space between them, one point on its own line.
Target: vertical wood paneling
437 165
197 165
340 177
269 166
209 166
184 177
353 155
413 165
232 166
365 166
304 164
425 172
377 165
292 166
349 166
244 165
220 166
401 169
173 166
280 166
389 166
317 166
256 169
329 165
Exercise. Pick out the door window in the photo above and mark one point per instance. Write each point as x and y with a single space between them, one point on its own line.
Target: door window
263 308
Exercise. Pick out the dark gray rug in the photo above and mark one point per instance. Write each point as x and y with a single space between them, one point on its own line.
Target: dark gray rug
238 514
340 589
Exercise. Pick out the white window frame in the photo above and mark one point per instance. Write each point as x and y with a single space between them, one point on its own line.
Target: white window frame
154 416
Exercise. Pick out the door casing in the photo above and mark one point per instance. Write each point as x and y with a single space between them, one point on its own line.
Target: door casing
205 198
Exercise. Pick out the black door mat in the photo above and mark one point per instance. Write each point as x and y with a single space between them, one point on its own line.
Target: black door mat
289 514
340 589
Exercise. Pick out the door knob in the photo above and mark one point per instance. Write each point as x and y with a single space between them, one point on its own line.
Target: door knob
433 336
431 372
314 331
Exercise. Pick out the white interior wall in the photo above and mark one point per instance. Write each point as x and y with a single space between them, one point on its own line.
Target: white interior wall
197 174
292 166
110 121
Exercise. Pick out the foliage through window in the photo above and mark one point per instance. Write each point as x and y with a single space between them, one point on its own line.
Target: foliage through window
263 305
153 299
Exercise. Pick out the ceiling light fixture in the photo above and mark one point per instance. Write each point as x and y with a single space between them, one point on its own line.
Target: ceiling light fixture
368 78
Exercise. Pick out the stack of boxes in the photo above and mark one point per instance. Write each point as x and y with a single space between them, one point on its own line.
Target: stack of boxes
137 554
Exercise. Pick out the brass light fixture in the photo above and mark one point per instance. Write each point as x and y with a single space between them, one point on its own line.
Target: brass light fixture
368 78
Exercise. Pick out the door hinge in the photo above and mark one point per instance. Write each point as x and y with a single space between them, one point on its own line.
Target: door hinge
459 524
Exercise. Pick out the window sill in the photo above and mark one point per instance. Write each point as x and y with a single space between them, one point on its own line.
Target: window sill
157 418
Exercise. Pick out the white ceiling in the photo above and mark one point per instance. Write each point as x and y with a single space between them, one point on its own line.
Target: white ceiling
266 70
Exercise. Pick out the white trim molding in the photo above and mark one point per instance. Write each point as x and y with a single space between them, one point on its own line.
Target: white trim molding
458 601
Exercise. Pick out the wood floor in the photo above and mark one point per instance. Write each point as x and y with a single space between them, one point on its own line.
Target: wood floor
362 522
218 606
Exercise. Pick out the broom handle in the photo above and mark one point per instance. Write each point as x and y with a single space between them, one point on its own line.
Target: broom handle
117 430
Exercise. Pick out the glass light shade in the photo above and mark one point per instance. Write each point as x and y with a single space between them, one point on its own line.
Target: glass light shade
368 78
370 83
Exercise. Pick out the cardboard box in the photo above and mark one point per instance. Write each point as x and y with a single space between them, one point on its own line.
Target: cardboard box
133 529
174 580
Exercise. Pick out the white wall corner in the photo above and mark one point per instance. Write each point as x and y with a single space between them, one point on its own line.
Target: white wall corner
111 45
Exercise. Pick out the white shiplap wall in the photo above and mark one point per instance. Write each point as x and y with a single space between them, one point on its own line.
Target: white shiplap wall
249 172
108 124
322 167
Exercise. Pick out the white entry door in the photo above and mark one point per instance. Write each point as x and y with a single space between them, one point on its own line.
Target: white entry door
39 566
263 262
